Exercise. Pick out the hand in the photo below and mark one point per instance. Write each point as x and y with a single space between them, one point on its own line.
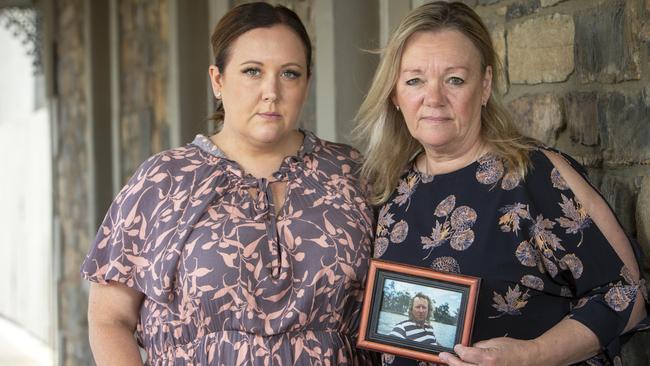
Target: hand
497 351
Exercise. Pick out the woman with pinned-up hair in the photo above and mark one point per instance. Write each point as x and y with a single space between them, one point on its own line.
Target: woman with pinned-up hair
248 247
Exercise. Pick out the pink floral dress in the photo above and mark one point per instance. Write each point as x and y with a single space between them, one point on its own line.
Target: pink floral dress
226 280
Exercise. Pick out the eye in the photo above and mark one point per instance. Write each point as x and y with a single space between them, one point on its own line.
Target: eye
291 74
252 72
454 80
414 81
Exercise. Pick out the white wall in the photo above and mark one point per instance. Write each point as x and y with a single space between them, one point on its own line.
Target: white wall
25 195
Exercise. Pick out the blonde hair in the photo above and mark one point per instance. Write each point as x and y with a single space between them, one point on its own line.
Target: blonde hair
381 128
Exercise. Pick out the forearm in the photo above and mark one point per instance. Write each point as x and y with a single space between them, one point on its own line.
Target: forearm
566 343
114 344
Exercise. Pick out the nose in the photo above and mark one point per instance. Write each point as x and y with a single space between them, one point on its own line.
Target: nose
434 94
270 89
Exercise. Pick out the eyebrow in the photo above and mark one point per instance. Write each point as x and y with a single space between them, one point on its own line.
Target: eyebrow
261 64
419 71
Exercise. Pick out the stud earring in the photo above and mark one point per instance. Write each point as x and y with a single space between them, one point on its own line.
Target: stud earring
397 107
218 95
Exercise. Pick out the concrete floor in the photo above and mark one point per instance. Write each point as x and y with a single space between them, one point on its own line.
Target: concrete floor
19 348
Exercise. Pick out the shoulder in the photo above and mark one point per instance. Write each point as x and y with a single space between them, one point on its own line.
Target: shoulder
403 323
169 169
176 161
180 158
561 170
339 151
336 158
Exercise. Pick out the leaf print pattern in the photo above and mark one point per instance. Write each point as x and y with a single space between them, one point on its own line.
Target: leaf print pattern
445 264
385 220
513 214
576 218
455 229
445 207
381 244
545 240
533 282
463 218
399 233
406 188
558 181
510 181
461 240
437 237
526 254
548 266
490 169
223 276
511 303
620 296
640 284
572 263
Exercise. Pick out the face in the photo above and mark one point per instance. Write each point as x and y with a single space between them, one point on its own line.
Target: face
440 90
263 86
420 309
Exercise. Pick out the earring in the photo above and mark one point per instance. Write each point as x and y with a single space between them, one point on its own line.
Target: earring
218 95
397 107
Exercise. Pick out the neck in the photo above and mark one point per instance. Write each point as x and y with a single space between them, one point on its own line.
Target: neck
260 160
435 161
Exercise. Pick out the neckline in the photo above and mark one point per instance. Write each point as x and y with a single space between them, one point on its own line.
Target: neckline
426 178
205 143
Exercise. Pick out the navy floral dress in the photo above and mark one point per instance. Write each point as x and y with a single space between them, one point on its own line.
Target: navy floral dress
538 253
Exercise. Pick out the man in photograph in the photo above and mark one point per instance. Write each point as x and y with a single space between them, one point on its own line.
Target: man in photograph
417 328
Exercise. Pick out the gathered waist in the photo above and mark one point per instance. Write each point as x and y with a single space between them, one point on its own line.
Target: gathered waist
234 347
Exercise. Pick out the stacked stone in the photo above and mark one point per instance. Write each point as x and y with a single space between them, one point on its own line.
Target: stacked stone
579 76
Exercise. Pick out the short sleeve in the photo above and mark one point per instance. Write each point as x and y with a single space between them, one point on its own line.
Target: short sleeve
132 243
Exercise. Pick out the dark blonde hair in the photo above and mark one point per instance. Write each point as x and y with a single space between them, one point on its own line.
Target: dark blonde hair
381 127
246 17
420 295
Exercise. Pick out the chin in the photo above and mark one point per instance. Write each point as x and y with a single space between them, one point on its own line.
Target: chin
271 135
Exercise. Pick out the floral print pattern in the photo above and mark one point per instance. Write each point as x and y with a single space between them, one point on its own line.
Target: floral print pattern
455 229
227 278
530 241
511 303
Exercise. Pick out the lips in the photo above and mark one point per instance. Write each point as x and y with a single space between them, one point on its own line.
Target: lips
435 119
270 115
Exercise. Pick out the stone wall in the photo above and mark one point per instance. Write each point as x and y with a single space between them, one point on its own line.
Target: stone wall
71 169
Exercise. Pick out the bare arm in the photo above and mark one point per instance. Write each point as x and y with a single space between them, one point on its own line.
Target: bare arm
112 318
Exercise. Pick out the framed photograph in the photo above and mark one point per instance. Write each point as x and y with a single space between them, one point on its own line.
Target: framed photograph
416 312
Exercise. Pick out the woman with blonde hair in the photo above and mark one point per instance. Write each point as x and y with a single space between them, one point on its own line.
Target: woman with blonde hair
461 190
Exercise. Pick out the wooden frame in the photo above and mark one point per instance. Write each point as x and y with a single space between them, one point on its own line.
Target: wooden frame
390 284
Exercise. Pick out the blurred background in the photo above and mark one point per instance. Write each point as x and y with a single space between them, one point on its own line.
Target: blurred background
90 88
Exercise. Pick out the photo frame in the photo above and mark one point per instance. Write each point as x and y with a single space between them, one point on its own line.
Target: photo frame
398 319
